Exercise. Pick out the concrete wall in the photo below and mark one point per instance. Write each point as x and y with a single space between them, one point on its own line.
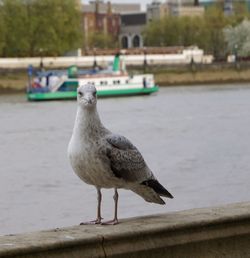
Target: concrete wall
209 232
87 61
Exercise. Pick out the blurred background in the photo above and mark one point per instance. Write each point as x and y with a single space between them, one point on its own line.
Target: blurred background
193 132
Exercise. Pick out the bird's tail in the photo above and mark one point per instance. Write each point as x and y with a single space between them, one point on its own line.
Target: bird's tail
158 188
147 193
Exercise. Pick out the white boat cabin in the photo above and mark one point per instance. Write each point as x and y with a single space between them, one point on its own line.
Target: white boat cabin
107 82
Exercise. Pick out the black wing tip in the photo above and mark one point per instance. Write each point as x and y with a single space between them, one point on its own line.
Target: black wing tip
170 196
158 188
162 202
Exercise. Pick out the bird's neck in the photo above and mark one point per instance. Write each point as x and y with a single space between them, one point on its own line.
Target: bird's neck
87 123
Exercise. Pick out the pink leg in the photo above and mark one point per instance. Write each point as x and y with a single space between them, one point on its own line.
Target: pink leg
115 220
98 220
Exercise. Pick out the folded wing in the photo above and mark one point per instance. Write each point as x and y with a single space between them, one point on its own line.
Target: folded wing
127 163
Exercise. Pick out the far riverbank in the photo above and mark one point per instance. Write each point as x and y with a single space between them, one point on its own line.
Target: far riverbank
196 74
203 77
12 81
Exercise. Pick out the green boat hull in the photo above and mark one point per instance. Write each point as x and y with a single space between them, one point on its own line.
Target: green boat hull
104 93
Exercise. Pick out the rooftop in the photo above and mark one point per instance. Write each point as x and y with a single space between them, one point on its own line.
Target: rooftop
133 19
116 8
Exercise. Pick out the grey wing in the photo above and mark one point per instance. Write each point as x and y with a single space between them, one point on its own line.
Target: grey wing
126 161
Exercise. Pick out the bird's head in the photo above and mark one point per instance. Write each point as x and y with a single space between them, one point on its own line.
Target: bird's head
86 96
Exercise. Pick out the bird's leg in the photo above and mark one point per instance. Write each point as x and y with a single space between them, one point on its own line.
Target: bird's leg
115 220
99 218
116 197
99 199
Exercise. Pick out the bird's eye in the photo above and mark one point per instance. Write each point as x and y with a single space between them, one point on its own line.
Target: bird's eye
94 93
80 93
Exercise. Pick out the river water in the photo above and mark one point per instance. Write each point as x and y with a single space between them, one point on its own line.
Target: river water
195 139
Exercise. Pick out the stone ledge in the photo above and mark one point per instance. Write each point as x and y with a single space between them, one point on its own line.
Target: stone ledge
207 232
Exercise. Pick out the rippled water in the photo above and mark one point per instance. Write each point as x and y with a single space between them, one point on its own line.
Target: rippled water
195 139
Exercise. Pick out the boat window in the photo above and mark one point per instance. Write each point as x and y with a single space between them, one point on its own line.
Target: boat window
118 82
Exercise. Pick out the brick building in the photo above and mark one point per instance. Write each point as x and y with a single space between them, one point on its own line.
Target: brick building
97 19
101 17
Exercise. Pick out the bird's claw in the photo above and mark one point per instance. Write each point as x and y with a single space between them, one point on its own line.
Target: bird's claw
110 222
92 222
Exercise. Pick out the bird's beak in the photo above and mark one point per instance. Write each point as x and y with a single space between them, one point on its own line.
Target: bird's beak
89 100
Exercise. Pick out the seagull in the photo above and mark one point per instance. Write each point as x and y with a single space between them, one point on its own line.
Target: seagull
107 160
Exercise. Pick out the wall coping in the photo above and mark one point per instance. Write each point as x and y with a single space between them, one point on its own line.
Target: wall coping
174 228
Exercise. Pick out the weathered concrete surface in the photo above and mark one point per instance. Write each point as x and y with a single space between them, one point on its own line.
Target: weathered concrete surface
209 232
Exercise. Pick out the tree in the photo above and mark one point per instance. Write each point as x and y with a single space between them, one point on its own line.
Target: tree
35 27
173 31
192 31
196 3
206 32
163 32
215 23
238 38
240 8
15 17
154 33
55 27
2 30
101 40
